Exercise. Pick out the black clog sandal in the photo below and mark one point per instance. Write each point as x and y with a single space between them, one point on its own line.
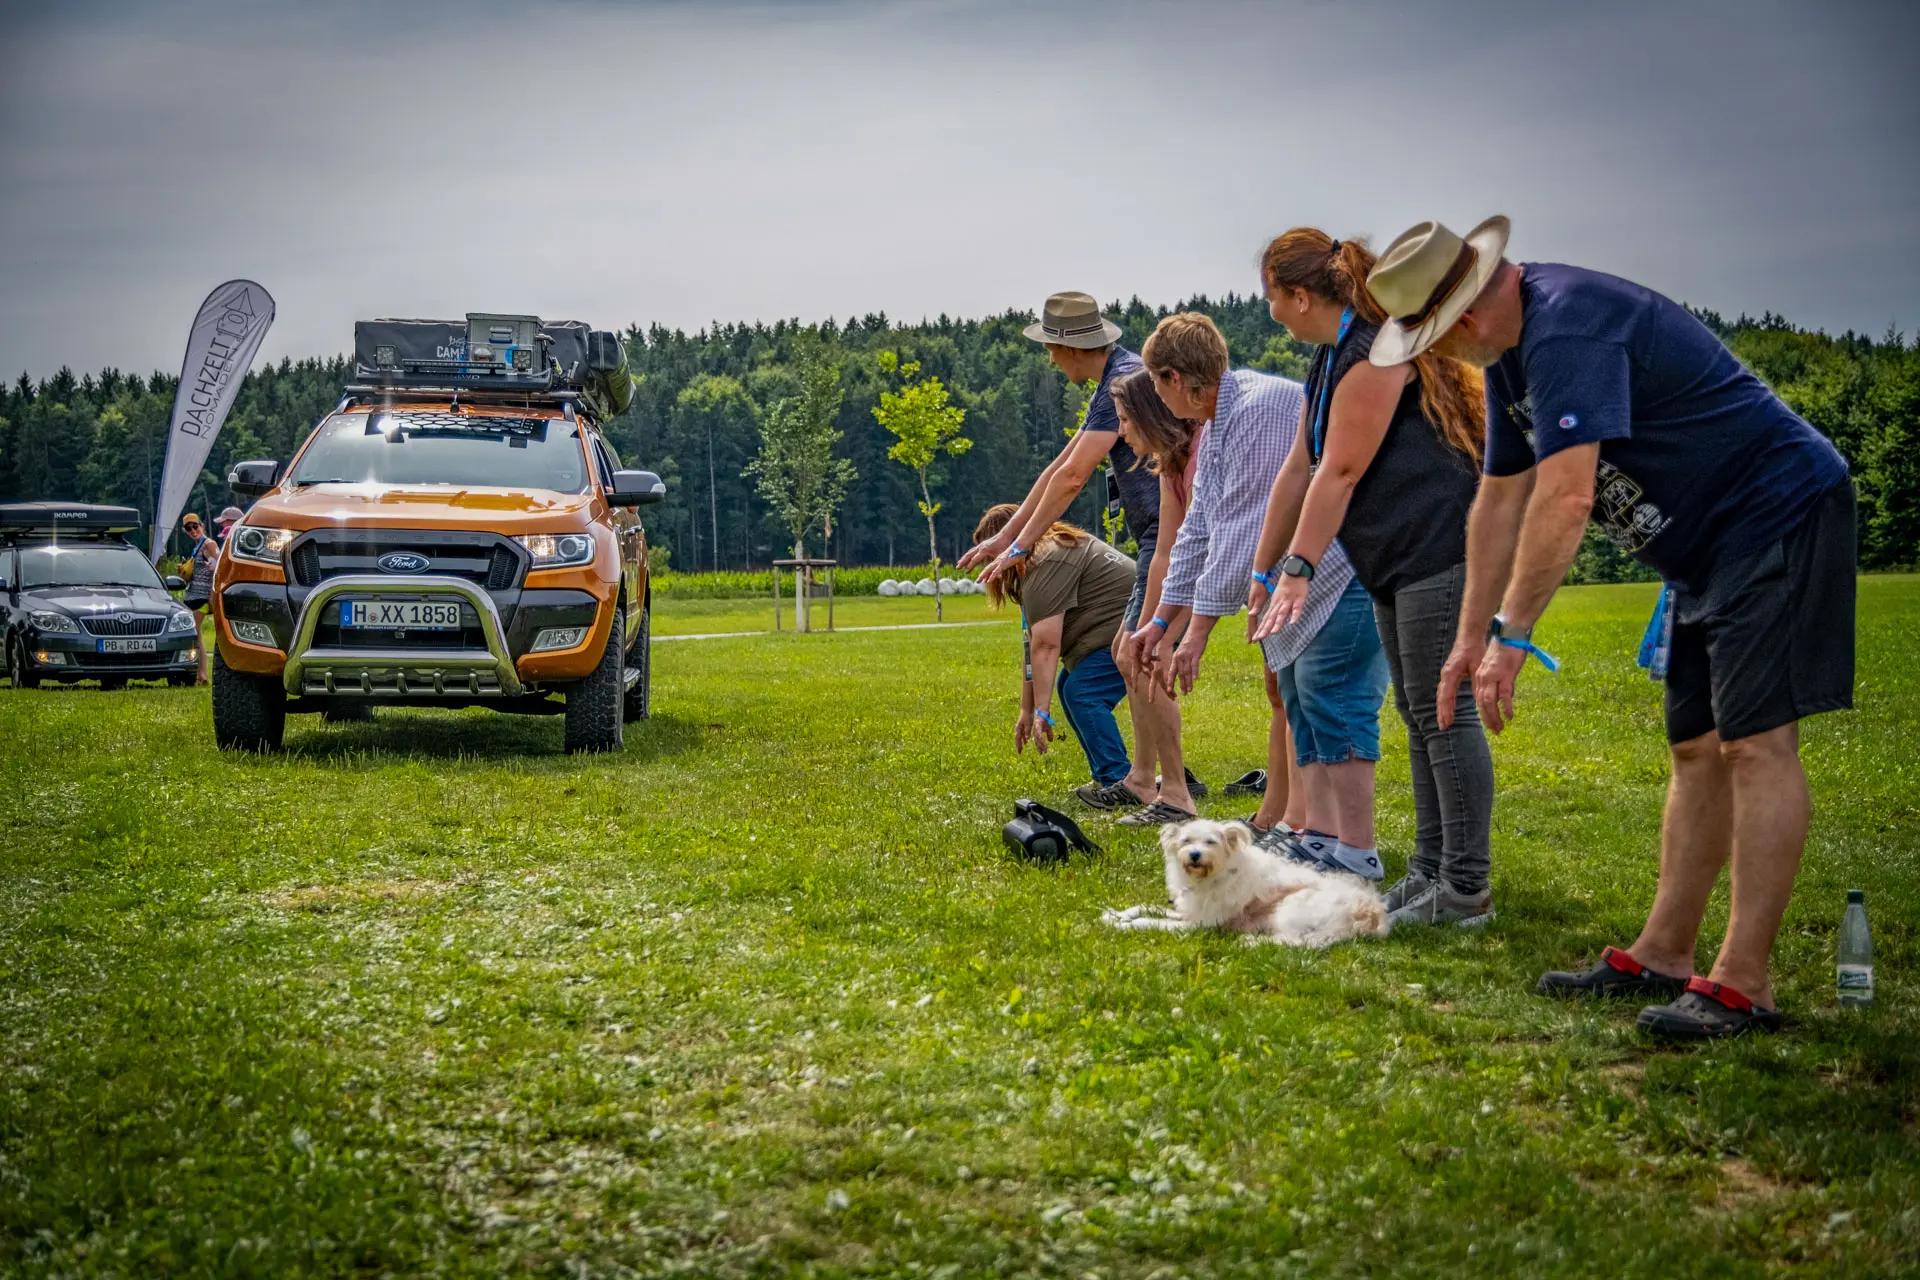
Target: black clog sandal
1617 975
1251 783
1708 1011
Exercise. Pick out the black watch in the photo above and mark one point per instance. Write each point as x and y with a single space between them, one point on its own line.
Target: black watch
1500 629
1297 567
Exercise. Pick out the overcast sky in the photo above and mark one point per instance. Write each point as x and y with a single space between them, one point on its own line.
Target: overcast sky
681 163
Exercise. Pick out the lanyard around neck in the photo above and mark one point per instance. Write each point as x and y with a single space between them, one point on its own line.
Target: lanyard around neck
1319 436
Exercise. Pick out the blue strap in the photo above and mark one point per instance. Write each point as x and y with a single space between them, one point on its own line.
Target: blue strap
1656 646
1319 434
1547 660
1041 715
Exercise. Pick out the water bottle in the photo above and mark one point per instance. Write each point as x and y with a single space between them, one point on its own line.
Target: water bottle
1856 953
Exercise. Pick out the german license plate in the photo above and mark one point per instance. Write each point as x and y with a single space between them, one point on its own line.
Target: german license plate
400 615
128 646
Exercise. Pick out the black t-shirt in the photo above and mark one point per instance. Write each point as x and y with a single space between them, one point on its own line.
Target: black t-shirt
1407 519
1139 487
1700 463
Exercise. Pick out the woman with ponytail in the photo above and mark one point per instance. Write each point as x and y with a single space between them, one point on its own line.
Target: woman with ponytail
1387 459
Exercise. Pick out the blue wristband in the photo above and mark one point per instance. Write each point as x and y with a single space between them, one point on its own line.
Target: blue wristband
1265 579
1158 622
1547 660
1041 715
1014 552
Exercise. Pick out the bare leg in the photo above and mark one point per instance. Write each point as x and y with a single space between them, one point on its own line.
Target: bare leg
1771 810
1277 800
1297 787
1695 839
1322 811
1146 741
1163 715
1351 782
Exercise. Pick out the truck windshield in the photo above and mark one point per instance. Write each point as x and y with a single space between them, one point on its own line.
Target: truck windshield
85 564
445 449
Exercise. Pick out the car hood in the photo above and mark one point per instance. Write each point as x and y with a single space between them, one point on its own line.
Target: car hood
426 506
83 601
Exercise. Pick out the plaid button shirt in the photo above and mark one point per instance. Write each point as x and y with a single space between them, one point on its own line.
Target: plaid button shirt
1253 427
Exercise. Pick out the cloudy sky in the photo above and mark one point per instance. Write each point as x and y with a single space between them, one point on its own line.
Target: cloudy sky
685 162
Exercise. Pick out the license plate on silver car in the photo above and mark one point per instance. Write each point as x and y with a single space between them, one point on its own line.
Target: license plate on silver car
128 646
400 615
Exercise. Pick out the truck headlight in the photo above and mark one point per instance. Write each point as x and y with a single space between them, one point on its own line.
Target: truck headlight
263 546
53 623
557 550
181 620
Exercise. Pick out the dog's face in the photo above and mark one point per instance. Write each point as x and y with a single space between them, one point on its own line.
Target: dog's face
1203 848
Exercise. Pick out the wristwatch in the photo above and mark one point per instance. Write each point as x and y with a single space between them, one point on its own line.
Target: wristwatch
1501 629
1297 567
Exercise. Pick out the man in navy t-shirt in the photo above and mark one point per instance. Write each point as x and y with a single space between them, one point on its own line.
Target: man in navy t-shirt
1610 402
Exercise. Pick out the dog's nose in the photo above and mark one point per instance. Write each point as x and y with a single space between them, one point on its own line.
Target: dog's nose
1194 856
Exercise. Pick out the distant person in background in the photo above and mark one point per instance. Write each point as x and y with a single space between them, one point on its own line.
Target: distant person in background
224 523
1072 592
1607 401
1085 346
1388 460
203 553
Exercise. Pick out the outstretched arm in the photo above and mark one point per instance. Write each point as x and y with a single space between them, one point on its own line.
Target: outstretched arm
1053 493
1493 535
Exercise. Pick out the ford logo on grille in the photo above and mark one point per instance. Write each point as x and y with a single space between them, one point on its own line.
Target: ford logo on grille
402 562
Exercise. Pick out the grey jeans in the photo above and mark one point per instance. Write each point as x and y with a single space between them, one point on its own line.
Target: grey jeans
1452 770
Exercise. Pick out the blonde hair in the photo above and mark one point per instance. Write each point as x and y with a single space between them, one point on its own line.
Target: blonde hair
1453 396
1190 344
1007 585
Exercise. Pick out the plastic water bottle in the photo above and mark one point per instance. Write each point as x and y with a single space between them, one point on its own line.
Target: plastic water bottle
1856 953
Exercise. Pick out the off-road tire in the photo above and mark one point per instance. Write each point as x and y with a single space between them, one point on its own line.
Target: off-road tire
24 676
595 717
346 711
639 704
249 711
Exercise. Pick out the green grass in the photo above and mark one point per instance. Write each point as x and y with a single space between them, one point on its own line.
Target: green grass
763 994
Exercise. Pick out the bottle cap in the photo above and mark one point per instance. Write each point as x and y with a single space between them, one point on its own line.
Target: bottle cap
1857 895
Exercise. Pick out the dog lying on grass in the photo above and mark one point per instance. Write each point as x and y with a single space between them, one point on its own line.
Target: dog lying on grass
1218 880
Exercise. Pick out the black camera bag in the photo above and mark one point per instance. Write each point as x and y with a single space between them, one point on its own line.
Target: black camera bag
1041 834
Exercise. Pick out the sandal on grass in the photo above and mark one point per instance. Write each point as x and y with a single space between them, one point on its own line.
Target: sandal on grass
1157 814
1617 974
1114 795
1251 783
1707 1011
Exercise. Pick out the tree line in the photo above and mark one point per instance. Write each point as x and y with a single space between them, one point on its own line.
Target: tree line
703 401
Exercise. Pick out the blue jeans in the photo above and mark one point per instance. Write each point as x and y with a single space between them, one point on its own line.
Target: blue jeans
1333 690
1088 695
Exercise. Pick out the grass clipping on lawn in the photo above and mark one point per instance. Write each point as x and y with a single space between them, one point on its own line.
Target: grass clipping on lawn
764 993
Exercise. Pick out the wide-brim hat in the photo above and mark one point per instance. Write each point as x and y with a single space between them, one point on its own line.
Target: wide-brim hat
1073 320
1426 280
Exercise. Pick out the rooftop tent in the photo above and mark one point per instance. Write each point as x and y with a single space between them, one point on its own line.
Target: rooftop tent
502 353
42 518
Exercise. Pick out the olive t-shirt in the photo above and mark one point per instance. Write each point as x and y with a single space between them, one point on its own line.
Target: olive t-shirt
1089 582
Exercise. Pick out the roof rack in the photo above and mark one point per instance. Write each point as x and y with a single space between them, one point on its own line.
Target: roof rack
58 518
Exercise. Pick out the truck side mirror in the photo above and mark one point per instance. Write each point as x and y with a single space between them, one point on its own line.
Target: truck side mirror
636 489
251 479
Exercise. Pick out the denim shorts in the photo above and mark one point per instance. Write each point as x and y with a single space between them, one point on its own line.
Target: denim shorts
1333 690
1138 600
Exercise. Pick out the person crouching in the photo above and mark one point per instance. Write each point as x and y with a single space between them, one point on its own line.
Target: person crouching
1072 590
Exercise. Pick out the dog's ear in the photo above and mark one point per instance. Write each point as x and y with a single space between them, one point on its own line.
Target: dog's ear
1170 838
1237 838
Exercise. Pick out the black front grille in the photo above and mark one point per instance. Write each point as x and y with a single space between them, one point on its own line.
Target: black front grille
110 625
485 559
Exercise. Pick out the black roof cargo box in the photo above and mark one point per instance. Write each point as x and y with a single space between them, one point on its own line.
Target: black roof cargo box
499 353
43 518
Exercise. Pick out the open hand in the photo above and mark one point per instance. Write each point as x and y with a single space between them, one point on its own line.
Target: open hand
1185 667
981 552
1461 665
1022 731
1001 564
1257 596
1493 684
1289 606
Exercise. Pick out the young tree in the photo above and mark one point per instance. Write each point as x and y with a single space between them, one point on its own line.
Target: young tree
707 407
796 471
927 427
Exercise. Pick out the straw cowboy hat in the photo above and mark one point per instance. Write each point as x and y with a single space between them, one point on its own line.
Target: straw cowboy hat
1426 280
1074 320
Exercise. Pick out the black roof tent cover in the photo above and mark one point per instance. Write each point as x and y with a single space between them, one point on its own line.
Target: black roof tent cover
56 518
500 353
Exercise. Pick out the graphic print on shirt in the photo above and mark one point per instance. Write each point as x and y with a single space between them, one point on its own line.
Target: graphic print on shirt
1620 505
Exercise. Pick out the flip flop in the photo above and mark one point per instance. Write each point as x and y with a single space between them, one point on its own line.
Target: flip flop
1157 814
1251 783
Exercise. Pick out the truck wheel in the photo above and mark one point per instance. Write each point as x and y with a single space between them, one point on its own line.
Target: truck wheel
23 673
594 717
249 712
639 703
346 711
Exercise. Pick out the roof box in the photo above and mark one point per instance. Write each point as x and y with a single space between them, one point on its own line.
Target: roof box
65 517
487 352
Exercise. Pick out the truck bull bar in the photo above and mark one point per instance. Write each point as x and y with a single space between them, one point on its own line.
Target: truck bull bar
484 672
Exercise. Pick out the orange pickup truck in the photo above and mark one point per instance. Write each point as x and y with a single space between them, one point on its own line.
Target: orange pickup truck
458 532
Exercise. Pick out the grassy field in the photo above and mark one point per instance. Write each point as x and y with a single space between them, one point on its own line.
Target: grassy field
763 994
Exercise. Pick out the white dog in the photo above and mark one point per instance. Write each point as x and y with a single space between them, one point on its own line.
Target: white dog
1218 880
